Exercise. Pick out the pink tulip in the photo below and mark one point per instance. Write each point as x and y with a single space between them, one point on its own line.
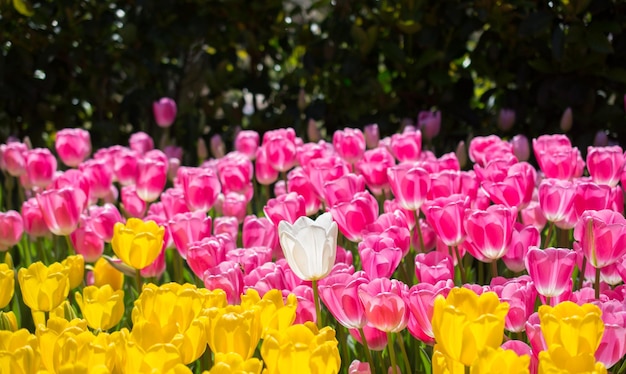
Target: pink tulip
298 182
258 232
433 267
125 166
533 215
61 209
226 276
393 226
280 146
535 336
602 236
339 292
325 170
132 204
32 217
613 344
40 167
354 216
605 164
87 242
247 142
421 301
305 311
151 178
390 206
358 367
407 146
103 218
372 135
489 231
141 142
445 216
288 207
11 229
280 188
556 198
591 196
206 253
410 184
164 111
187 228
384 302
506 119
515 189
482 148
521 295
546 142
264 172
226 225
551 269
429 123
13 158
373 166
521 147
173 202
217 146
235 172
250 258
201 188
522 238
309 152
99 175
235 205
265 277
560 162
349 144
379 255
376 339
73 146
343 189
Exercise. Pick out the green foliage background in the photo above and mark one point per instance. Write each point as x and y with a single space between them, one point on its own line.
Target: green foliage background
345 63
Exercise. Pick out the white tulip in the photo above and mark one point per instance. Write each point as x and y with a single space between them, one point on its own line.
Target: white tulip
309 246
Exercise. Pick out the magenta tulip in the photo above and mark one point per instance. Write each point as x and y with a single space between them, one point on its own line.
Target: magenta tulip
410 184
13 158
489 231
132 204
164 111
187 228
372 135
298 182
61 209
34 224
556 198
151 178
551 269
201 188
73 146
258 232
280 146
226 276
349 144
602 236
40 167
103 218
141 142
373 166
87 242
379 255
605 164
421 300
522 238
288 207
407 146
433 267
429 123
11 229
343 189
264 172
354 216
445 215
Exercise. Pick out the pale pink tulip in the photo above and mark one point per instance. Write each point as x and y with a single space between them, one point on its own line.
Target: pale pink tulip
206 253
521 147
87 242
235 172
421 300
235 205
343 189
551 269
358 367
258 232
11 229
613 344
339 292
40 167
325 170
247 142
226 276
379 255
201 188
250 258
141 142
384 302
376 339
132 204
226 225
99 174
556 198
522 238
103 218
521 295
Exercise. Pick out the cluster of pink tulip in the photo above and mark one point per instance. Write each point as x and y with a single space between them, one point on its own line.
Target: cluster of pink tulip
413 225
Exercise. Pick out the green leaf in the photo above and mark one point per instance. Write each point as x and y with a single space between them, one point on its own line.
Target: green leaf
425 360
23 8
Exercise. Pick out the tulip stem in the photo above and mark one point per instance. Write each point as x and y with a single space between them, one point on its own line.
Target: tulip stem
70 247
546 244
139 281
467 370
405 356
597 284
581 273
368 354
392 353
316 300
419 231
459 261
494 269
178 267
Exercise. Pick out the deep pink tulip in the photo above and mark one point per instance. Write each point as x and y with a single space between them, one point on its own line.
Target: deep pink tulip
103 218
376 339
489 231
349 144
602 236
515 189
298 182
485 148
40 167
99 175
325 170
250 258
343 188
13 158
522 238
429 123
433 267
280 146
125 166
164 111
533 215
535 336
613 344
521 295
204 254
235 172
258 232
151 178
247 142
11 229
384 302
305 311
288 207
373 166
393 226
226 276
265 277
264 172
235 205
226 225
32 217
556 198
560 162
173 202
354 216
87 242
591 196
132 204
339 292
448 161
201 188
187 228
550 269
379 255
410 184
445 215
309 152
547 142
390 206
605 164
141 142
407 146
421 301
61 209
521 147
73 146
372 135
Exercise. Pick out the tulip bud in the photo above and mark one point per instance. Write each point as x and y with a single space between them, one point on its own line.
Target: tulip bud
429 123
601 139
312 131
164 111
372 135
521 147
566 120
302 104
461 154
506 119
201 149
218 148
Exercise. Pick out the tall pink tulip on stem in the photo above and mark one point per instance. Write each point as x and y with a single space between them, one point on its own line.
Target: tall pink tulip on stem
421 301
379 255
151 179
11 229
264 172
298 182
40 167
429 123
550 270
373 166
73 146
522 238
187 228
349 144
556 198
164 111
280 146
433 267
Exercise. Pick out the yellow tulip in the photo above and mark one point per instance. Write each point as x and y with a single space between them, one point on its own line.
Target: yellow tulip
49 333
105 273
137 243
557 360
443 364
465 324
7 284
301 349
230 363
44 287
18 352
76 266
276 313
102 307
577 328
234 329
160 358
8 321
496 361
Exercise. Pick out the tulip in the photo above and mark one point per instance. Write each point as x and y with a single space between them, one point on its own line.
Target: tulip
235 205
11 229
483 148
99 174
40 167
104 273
550 269
358 367
247 142
372 135
132 204
384 304
522 238
61 209
601 139
231 362
187 228
173 202
605 164
125 166
7 284
494 361
137 243
373 166
258 232
13 158
489 231
410 184
76 266
164 111
465 324
103 218
354 216
445 216
324 169
32 218
287 207
102 307
379 255
375 339
151 178
558 360
521 147
506 119
280 146
556 198
349 144
298 182
561 162
205 253
264 172
73 146
429 123
602 235
235 172
339 292
421 301
566 120
433 267
406 147
44 288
